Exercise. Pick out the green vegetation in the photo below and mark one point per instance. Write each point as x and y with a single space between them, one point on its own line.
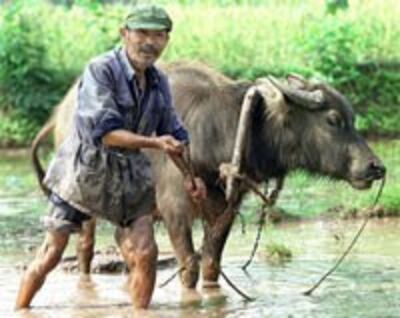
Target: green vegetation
309 196
44 47
276 253
39 59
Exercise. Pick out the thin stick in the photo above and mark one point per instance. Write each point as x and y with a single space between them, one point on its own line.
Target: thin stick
189 165
230 283
349 248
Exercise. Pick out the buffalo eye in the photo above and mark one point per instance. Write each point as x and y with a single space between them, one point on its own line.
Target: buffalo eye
335 120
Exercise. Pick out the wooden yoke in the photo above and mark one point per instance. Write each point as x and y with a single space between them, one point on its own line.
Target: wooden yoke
232 169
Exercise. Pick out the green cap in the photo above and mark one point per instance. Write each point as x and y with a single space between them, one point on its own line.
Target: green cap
148 17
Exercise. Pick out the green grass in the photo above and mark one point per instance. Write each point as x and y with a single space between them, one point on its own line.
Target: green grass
276 253
243 39
308 196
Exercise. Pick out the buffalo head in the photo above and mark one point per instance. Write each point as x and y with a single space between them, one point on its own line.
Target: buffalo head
314 130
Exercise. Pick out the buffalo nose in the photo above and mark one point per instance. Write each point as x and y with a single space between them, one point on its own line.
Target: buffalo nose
376 169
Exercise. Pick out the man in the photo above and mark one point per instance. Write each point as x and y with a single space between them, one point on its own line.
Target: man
100 170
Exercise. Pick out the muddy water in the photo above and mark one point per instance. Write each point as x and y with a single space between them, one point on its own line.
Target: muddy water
366 285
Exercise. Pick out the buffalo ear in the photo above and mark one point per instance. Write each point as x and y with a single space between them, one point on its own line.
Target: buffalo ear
311 100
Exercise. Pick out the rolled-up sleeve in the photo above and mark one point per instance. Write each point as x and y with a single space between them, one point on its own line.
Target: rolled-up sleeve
170 123
98 112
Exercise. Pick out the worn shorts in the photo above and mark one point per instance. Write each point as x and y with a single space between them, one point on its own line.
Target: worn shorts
62 217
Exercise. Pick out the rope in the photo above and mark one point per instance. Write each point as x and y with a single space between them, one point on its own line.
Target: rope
242 223
267 201
349 248
186 164
231 284
169 279
261 223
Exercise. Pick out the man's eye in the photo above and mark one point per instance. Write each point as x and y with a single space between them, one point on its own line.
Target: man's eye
159 35
140 32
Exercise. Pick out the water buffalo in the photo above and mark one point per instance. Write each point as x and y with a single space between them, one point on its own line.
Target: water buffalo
313 134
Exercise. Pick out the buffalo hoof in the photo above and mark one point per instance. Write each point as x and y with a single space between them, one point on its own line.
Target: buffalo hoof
189 278
210 272
190 274
208 284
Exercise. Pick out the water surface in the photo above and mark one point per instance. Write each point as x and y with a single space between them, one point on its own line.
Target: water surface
366 285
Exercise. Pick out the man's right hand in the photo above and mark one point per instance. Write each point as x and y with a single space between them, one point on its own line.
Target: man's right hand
170 145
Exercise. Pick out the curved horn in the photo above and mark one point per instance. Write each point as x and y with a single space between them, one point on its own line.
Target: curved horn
311 100
297 81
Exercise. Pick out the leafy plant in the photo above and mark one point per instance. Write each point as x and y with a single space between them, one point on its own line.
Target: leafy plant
44 47
332 6
277 253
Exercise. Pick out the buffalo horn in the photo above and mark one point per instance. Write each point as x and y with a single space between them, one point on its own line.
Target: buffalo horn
311 100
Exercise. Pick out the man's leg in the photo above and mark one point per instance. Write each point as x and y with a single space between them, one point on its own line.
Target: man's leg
85 245
139 249
46 259
61 221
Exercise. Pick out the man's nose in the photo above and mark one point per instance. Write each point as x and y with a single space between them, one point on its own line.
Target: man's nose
150 39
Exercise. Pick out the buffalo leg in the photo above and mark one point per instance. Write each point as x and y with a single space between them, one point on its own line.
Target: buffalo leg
85 245
215 236
180 232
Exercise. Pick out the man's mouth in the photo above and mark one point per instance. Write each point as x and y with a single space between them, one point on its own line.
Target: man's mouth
148 55
148 50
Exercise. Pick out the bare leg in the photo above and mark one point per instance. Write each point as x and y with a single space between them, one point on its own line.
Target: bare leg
46 259
85 245
139 249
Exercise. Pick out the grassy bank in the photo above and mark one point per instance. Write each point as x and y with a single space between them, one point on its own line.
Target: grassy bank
308 196
303 195
357 50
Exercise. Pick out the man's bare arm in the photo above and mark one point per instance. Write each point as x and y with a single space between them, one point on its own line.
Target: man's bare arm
126 139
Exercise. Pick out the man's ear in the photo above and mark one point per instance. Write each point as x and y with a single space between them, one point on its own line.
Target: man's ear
123 32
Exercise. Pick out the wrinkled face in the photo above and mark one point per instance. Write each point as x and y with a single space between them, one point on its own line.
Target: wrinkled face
144 47
326 140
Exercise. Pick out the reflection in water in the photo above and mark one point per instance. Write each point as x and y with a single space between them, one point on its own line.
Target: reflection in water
366 285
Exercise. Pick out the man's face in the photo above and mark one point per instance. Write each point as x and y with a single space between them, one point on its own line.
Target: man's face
144 46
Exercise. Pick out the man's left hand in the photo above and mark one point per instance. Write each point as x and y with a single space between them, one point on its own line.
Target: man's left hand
196 191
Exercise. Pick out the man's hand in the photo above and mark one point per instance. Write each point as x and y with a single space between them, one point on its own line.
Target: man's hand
175 149
170 145
196 191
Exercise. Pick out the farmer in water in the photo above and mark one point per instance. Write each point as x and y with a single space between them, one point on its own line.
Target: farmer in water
123 105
